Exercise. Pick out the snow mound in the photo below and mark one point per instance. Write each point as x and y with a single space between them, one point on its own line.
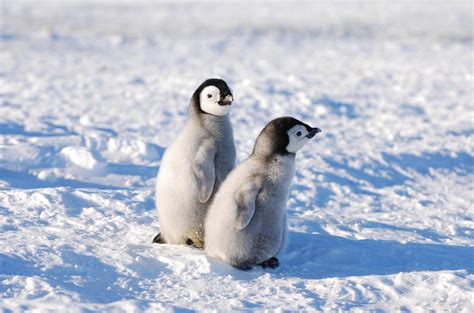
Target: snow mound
83 158
122 149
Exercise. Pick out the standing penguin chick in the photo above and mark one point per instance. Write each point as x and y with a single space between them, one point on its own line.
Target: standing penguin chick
195 165
246 223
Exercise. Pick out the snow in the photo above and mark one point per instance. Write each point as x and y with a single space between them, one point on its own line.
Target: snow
82 157
381 210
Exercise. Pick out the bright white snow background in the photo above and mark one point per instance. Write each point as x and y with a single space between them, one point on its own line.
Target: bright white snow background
381 211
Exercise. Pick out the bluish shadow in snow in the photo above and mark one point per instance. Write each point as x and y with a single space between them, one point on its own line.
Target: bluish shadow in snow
15 265
465 132
4 36
380 175
388 176
73 205
322 197
324 194
462 163
312 256
88 276
425 233
146 172
12 265
145 265
147 204
178 309
18 129
275 87
108 131
411 109
336 107
97 279
24 180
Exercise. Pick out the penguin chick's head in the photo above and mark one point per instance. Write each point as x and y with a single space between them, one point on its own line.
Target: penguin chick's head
284 135
213 97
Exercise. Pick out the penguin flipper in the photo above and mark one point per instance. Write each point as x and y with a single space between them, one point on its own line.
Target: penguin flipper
203 167
245 199
272 262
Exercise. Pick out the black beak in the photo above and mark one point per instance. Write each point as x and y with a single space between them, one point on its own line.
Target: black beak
313 132
227 100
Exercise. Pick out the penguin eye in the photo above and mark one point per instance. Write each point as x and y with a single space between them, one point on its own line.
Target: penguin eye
209 95
298 133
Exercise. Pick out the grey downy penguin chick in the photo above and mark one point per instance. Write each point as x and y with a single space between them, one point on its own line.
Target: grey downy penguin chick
246 224
194 166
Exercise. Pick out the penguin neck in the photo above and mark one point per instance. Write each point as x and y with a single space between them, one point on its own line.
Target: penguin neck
217 125
281 167
213 122
265 148
267 152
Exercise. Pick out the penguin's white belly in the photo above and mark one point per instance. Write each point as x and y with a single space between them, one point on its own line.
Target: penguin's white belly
181 214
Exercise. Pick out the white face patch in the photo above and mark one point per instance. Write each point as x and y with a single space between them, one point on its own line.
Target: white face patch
208 98
297 138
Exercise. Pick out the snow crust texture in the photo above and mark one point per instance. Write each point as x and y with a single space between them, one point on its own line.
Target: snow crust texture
381 210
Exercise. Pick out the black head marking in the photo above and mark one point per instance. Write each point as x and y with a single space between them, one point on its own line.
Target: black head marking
219 83
273 139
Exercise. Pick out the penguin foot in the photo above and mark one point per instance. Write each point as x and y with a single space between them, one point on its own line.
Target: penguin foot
158 239
196 244
243 266
272 262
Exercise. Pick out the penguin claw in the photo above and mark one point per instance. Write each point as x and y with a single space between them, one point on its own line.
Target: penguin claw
196 244
272 262
158 239
243 267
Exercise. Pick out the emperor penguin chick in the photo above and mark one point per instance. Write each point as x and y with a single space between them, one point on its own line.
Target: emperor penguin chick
246 224
194 165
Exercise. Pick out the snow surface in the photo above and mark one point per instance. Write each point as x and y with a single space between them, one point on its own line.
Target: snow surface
381 211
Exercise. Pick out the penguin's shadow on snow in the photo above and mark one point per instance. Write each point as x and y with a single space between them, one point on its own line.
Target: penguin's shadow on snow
317 256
